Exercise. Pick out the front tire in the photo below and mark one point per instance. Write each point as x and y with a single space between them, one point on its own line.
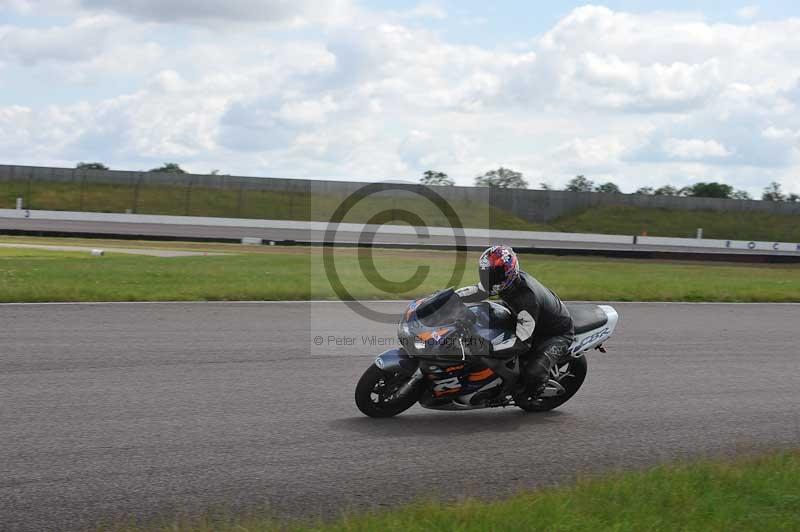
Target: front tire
571 381
376 393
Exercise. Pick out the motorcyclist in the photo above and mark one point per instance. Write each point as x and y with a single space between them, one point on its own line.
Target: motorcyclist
544 326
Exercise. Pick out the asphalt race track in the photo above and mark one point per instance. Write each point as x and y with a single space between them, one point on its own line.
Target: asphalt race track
139 410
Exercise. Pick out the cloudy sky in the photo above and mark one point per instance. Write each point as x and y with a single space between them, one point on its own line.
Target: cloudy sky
634 93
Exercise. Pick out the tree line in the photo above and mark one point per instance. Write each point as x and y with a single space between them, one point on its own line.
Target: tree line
167 168
507 178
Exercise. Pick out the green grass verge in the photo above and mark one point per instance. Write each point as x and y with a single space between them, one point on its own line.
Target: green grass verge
275 273
746 494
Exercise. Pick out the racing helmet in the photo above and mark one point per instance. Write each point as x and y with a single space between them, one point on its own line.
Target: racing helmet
498 268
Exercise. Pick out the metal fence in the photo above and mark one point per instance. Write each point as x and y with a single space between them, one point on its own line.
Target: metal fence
151 193
254 197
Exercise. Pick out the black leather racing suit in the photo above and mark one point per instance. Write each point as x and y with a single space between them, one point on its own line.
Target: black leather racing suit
544 327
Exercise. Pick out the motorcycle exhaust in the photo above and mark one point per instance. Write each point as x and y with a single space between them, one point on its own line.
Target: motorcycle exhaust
553 389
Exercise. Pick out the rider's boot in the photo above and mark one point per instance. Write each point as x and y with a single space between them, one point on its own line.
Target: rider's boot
537 371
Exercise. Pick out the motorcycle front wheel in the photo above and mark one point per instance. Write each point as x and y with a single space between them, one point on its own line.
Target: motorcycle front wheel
376 393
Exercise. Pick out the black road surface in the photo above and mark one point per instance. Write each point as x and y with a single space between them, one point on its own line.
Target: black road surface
117 411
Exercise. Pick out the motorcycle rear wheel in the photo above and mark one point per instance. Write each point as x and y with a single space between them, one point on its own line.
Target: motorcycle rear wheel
376 393
571 381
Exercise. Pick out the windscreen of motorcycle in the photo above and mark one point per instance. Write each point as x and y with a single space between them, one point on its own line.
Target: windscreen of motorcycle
442 308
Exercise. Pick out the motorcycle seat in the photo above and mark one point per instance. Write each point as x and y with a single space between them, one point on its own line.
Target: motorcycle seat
586 317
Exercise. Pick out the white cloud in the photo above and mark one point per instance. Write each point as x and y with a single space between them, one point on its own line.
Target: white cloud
611 82
664 57
44 7
424 150
84 39
777 133
292 12
694 149
363 94
90 50
599 154
307 112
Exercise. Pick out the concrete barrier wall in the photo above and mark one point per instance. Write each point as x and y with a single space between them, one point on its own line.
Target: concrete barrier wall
237 228
719 244
531 205
404 230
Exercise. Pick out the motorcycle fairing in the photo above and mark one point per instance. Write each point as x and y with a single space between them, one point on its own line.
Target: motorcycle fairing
459 379
397 361
595 337
493 322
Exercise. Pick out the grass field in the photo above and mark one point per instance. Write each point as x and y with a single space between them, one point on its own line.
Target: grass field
233 203
746 494
296 273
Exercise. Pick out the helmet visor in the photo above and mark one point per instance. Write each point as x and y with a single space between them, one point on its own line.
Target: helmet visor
491 277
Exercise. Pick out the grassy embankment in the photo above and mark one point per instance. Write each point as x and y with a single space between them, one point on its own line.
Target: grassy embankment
276 273
203 201
662 222
746 494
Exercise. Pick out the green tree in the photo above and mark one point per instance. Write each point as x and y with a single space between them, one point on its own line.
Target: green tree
544 185
501 178
645 191
666 190
773 192
91 166
794 198
710 190
169 168
608 188
579 184
429 177
741 194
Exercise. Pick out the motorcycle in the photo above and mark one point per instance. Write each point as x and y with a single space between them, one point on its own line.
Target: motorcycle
444 361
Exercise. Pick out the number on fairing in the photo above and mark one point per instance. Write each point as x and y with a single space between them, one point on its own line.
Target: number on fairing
447 384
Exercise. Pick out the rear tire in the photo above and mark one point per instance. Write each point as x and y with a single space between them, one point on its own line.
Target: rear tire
576 374
375 393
